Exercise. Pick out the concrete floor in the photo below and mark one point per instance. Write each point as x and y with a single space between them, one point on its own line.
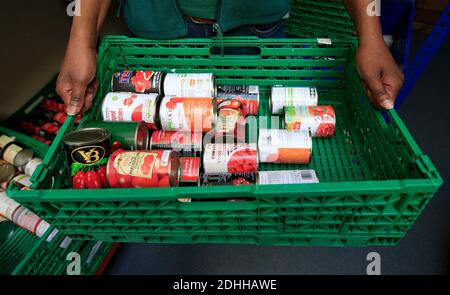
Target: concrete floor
34 35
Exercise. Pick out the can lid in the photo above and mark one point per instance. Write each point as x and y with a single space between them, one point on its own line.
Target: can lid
141 136
23 157
214 113
86 136
6 170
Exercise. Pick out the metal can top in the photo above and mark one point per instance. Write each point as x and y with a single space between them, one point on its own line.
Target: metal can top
6 170
174 170
86 136
141 138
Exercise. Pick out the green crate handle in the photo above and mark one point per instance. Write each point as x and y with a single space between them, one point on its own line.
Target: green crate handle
41 170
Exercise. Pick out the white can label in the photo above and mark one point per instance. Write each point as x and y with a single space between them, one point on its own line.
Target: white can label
292 96
287 177
189 85
11 152
230 158
7 206
4 140
32 165
26 219
129 107
165 158
3 219
277 145
23 180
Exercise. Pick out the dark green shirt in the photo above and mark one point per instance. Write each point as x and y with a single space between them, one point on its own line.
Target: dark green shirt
163 19
199 8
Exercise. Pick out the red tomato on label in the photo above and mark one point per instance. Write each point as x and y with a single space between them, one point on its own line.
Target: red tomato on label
142 182
164 182
101 171
117 145
93 180
125 180
78 180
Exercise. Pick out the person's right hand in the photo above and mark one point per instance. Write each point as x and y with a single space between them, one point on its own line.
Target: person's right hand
76 83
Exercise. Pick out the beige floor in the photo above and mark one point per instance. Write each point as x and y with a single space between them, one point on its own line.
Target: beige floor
33 40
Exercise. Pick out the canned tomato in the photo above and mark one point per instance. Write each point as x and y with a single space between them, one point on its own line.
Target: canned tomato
187 114
287 177
87 150
247 95
187 144
292 96
190 85
31 166
230 127
230 158
131 107
14 153
137 81
282 146
7 170
320 121
189 171
130 135
228 179
139 169
7 229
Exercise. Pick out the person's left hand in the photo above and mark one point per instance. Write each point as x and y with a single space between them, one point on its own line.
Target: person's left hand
381 76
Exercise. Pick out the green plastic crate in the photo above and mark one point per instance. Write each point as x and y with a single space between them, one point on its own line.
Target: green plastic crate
320 19
375 181
26 254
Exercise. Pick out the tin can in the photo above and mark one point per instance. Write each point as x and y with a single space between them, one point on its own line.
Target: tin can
188 114
131 135
139 169
7 229
247 95
137 81
190 85
5 140
320 121
31 166
230 158
189 171
219 179
230 127
187 144
8 206
283 146
14 153
287 177
26 219
131 107
87 149
292 96
22 181
7 170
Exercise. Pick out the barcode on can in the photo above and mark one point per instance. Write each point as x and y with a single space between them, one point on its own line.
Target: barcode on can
288 177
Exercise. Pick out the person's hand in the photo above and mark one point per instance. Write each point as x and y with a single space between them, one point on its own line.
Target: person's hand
381 76
76 83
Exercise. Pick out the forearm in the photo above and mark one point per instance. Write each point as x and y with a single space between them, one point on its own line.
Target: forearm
368 27
86 26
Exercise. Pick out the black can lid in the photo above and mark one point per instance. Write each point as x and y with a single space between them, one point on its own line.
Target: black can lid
86 136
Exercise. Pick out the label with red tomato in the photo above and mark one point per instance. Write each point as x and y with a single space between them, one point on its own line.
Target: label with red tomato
137 81
187 144
189 171
143 169
320 121
247 95
130 107
230 158
187 114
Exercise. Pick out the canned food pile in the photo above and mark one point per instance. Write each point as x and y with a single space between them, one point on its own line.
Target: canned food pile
166 130
17 163
44 121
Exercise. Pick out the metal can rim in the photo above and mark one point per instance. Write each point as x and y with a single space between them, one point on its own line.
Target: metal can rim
105 134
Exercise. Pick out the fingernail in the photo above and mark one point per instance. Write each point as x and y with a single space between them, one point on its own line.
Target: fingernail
72 111
387 104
